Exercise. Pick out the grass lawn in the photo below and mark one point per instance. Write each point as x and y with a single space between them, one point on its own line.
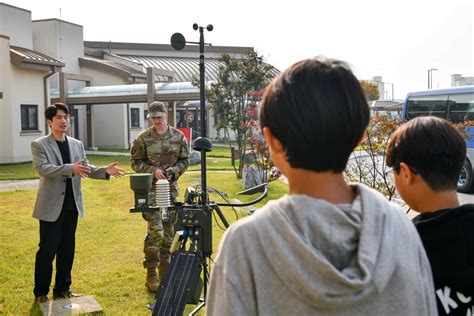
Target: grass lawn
17 171
26 171
108 262
218 150
215 164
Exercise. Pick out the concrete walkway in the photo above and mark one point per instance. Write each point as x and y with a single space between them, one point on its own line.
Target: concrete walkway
106 153
12 185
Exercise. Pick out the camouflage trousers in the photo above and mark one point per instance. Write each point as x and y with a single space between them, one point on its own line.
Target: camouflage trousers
159 236
158 240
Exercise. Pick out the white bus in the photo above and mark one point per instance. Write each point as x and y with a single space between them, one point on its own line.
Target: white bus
455 105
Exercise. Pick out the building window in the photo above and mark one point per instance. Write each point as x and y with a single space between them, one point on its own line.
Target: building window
29 117
145 113
135 117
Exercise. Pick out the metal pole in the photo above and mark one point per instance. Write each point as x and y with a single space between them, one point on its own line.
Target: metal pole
429 78
202 98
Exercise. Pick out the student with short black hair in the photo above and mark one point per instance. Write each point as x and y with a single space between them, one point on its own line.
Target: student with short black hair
328 247
427 155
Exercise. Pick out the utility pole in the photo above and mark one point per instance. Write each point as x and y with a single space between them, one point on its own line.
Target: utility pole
392 89
430 77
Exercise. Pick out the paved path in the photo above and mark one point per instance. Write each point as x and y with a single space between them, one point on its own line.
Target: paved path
106 153
12 185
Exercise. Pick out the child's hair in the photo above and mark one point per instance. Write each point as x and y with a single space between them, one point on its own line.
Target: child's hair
318 111
432 148
52 110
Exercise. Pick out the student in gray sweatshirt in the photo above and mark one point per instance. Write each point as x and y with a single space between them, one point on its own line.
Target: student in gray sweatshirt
328 247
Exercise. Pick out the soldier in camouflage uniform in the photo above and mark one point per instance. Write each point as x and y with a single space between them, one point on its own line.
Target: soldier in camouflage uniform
162 151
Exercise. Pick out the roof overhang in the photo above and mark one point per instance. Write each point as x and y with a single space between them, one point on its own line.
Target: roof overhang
163 47
109 67
30 59
185 68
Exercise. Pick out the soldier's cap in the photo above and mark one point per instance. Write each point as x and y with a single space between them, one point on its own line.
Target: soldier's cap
156 108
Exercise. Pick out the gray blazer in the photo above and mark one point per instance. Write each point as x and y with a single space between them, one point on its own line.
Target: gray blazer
53 173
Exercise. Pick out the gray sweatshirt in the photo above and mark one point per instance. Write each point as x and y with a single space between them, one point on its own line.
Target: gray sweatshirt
304 256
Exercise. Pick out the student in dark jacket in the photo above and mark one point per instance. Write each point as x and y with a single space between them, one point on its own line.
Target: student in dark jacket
427 154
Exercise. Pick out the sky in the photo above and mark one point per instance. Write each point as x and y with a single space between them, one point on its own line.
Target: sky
396 39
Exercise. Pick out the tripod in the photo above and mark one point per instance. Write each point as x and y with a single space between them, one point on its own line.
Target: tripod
181 284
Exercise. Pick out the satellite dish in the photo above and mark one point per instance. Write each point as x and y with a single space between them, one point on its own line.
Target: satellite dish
177 41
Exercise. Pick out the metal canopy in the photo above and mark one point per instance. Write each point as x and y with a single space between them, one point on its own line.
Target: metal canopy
28 58
185 68
133 93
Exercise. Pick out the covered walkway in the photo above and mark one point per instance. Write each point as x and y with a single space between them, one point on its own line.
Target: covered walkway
168 92
132 93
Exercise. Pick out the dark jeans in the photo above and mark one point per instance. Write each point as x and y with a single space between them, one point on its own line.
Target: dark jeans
56 239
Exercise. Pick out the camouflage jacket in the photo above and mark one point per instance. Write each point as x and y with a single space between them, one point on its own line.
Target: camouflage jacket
151 151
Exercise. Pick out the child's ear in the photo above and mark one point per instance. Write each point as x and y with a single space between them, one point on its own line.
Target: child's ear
406 174
273 142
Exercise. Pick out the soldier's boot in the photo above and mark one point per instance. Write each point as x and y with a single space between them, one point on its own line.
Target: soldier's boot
152 280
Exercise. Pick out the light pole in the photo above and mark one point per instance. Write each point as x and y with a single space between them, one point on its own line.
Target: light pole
430 77
392 88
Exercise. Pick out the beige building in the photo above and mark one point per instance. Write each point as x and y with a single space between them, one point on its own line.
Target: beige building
23 85
107 85
458 80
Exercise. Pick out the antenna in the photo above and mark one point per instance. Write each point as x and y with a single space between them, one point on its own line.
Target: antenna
60 35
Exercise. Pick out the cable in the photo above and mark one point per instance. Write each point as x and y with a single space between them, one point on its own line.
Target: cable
224 197
217 223
264 194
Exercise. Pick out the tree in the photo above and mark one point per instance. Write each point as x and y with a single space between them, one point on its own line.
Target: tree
266 170
371 90
367 164
235 96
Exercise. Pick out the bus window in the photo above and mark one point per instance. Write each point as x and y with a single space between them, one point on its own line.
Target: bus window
428 105
461 107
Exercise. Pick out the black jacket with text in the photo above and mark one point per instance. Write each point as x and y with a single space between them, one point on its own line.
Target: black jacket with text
448 237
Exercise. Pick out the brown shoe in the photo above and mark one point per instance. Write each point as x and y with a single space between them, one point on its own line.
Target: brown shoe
152 280
41 299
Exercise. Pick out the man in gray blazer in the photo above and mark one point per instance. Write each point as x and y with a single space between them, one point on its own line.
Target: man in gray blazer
61 163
